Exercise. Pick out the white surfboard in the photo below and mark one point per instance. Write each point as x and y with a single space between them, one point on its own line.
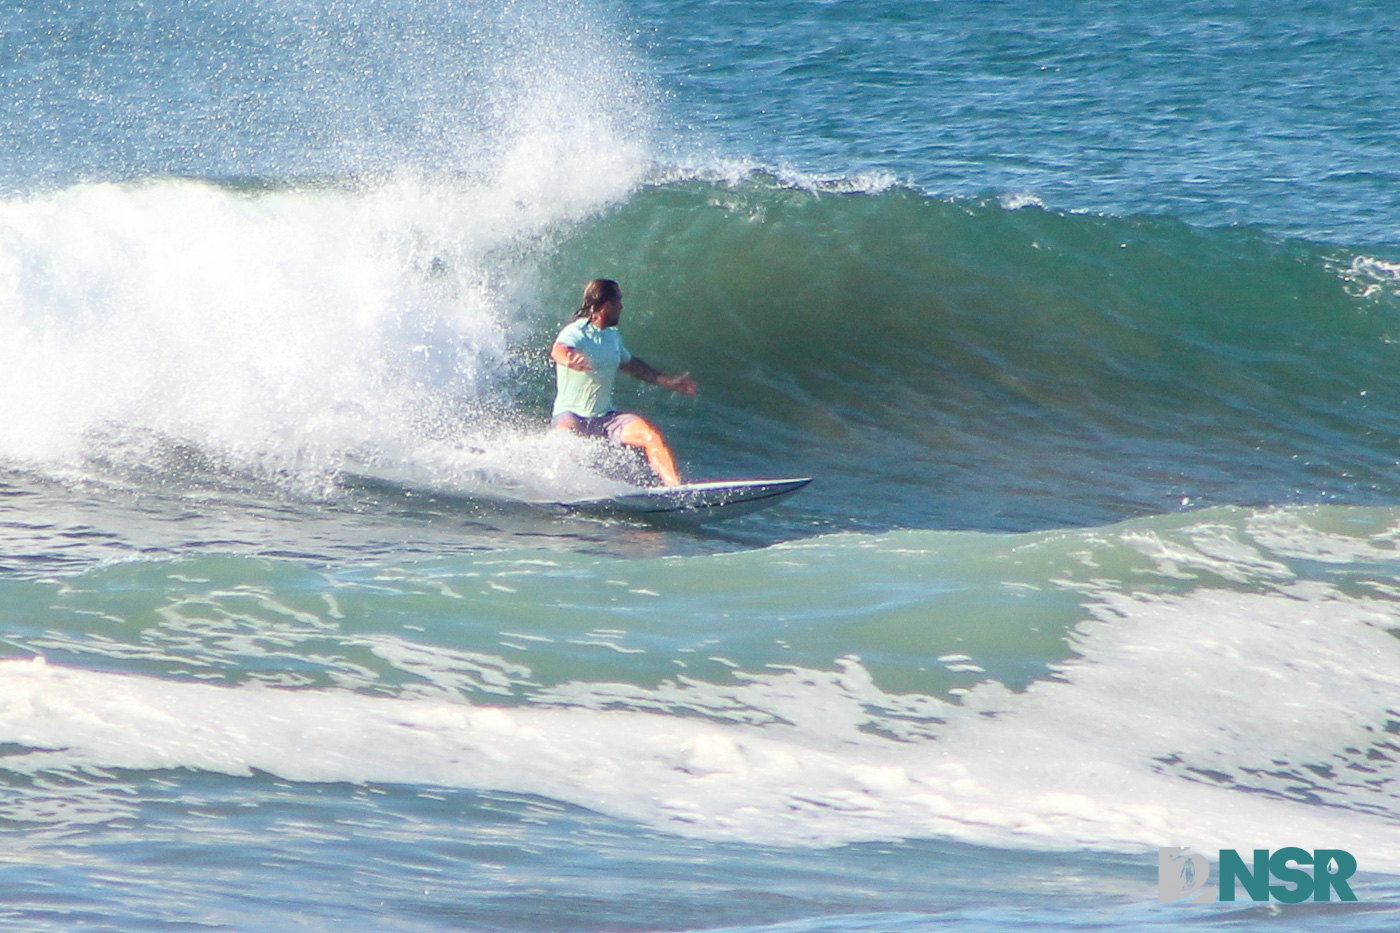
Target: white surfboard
694 502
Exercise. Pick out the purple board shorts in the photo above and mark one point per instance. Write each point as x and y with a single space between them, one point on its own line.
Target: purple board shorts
609 425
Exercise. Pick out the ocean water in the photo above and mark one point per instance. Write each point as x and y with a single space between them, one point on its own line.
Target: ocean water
1083 315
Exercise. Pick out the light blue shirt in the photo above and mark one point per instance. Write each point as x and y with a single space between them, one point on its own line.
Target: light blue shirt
589 394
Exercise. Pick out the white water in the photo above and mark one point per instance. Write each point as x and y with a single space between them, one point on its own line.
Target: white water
1097 758
292 325
286 326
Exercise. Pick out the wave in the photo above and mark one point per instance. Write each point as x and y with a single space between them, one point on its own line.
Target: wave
356 290
1204 680
1006 366
425 188
936 362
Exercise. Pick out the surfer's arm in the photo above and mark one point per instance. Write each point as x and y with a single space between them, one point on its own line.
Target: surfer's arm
568 357
641 369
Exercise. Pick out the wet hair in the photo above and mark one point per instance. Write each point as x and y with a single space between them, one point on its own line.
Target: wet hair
596 294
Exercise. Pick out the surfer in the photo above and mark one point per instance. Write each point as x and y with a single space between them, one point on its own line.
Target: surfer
588 354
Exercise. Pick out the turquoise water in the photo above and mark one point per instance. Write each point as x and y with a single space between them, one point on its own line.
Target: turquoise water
1082 315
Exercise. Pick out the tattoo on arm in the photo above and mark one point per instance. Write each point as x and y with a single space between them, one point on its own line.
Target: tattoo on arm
641 369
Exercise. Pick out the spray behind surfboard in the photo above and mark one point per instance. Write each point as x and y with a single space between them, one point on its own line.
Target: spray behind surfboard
377 309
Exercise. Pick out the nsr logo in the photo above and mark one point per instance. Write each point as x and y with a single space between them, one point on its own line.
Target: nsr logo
1185 878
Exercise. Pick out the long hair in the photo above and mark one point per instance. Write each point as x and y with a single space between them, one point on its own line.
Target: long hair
596 294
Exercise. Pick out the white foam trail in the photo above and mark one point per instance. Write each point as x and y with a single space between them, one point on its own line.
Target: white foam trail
1235 684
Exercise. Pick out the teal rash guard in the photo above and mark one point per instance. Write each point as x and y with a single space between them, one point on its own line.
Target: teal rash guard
589 394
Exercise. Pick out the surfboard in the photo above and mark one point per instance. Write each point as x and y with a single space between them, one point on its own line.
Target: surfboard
694 502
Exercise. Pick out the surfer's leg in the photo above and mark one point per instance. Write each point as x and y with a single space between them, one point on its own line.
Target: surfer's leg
636 432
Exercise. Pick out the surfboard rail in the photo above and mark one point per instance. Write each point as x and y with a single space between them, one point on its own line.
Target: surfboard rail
696 502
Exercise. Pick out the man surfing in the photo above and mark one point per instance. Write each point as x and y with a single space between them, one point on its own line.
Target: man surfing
588 354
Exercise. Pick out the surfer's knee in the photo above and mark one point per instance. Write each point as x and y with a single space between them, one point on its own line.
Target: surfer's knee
638 432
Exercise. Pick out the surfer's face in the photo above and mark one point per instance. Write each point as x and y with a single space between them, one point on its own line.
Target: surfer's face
609 314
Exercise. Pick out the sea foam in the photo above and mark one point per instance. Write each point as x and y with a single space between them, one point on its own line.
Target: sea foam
1215 719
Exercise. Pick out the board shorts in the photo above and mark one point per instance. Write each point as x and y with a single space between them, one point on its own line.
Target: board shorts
608 425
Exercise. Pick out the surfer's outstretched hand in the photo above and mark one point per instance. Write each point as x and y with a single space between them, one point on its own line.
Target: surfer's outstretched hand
682 384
